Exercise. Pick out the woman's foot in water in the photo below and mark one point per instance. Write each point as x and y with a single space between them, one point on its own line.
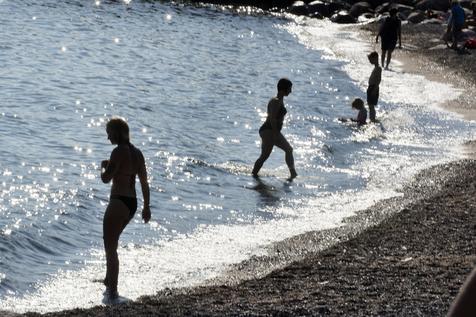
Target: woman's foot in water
293 174
111 294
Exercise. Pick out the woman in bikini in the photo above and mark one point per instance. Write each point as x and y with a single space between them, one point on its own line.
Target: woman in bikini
270 131
125 163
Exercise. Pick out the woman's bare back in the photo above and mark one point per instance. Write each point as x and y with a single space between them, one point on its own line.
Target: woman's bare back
126 162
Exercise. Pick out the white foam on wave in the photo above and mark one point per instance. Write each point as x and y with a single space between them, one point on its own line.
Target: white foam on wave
188 260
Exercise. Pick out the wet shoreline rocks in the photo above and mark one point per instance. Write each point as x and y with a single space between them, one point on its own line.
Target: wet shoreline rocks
353 11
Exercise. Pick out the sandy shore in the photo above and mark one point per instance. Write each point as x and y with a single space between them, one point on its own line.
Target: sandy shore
405 256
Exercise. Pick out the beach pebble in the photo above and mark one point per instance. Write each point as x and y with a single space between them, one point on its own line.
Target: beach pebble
359 8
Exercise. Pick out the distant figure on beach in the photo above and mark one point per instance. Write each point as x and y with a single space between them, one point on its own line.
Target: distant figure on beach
456 23
126 161
374 82
390 31
270 131
465 303
357 104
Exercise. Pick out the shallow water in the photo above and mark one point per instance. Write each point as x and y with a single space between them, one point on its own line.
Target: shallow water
193 84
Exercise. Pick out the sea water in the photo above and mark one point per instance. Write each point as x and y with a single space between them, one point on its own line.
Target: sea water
193 84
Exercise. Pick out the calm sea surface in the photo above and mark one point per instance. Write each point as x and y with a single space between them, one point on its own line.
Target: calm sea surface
193 83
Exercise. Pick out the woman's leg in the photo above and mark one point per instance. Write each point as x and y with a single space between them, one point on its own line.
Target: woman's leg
389 58
384 52
115 216
284 145
267 144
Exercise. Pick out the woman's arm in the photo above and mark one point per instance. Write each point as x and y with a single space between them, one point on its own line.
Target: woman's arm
110 167
273 108
379 33
145 188
399 34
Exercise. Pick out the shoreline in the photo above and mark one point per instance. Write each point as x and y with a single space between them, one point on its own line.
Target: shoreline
411 263
343 271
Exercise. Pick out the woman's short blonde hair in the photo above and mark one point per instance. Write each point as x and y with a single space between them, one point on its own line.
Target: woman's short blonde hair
119 129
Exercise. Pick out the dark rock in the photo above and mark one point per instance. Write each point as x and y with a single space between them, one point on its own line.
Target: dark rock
316 15
299 8
263 4
352 2
416 17
403 8
432 21
342 17
403 11
360 8
365 17
280 4
405 2
467 12
319 7
326 9
339 6
440 5
384 7
375 3
466 3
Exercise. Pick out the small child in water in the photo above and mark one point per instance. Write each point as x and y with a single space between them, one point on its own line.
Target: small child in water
358 104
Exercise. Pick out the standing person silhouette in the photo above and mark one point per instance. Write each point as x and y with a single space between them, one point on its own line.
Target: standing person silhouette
270 131
390 31
374 82
125 163
456 23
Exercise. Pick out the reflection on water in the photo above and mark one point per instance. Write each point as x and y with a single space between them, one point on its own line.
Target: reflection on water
193 84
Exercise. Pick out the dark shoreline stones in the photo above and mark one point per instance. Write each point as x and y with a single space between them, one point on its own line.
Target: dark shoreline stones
348 11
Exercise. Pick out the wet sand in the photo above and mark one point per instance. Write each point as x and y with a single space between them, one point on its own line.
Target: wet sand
406 256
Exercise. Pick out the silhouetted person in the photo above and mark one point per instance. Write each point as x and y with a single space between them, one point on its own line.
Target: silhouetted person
465 302
357 104
390 31
374 82
125 163
456 23
270 131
